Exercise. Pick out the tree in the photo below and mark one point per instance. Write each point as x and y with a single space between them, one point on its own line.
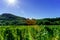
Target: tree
31 21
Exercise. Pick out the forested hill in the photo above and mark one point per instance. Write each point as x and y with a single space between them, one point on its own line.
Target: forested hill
10 19
7 16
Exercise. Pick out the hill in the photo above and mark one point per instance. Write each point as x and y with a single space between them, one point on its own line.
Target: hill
7 16
10 19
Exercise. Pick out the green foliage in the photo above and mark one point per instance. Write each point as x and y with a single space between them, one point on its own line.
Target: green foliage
34 32
8 35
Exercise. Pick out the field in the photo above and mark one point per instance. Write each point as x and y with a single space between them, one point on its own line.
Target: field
33 32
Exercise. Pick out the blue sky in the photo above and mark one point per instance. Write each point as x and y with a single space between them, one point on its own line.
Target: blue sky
32 8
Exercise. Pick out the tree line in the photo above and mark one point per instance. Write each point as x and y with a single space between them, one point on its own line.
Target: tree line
47 21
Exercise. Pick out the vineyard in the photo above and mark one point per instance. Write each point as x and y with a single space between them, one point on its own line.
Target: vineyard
33 32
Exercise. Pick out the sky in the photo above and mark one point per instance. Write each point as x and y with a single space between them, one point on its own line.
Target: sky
31 8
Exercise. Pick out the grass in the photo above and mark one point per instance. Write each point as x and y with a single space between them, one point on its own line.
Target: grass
33 32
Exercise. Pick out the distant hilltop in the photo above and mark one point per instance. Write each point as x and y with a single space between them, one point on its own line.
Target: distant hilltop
10 19
8 16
